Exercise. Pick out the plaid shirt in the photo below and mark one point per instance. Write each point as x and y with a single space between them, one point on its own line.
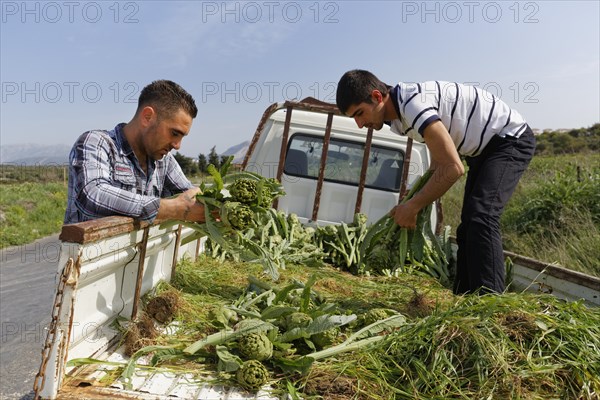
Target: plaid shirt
105 178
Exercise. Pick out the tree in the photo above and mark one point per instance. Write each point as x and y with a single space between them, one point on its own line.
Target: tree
224 159
213 157
202 163
187 164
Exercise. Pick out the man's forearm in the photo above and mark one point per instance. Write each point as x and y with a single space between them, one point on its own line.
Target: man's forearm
440 182
101 200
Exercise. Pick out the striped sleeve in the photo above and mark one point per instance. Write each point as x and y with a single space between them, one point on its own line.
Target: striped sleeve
421 107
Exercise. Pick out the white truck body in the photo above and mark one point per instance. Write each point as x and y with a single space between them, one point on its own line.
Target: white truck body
107 264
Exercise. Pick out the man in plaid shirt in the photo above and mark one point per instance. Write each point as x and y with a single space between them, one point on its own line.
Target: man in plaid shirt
129 170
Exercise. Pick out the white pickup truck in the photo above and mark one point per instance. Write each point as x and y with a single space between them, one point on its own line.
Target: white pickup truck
330 169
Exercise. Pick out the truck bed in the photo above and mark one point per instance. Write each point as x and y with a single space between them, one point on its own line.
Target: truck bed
95 381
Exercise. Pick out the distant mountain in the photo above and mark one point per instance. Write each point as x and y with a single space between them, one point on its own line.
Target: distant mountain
238 151
37 154
34 154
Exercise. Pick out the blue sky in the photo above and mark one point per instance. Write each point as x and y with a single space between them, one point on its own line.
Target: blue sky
67 67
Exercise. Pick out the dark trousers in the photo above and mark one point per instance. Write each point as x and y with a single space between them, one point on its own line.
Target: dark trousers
491 180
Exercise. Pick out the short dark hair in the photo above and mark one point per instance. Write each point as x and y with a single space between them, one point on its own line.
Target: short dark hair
167 98
355 87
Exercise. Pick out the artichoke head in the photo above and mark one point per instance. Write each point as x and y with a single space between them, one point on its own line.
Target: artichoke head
297 320
326 338
360 219
255 346
252 375
238 215
374 315
244 190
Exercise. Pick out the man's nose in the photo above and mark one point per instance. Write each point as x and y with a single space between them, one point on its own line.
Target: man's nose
176 144
359 122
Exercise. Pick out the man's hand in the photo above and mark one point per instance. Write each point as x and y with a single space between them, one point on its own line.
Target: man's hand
192 210
183 207
405 215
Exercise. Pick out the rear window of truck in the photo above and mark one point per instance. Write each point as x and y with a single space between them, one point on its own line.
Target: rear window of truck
344 162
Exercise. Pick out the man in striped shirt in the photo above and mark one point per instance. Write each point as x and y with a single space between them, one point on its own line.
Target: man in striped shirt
454 121
129 170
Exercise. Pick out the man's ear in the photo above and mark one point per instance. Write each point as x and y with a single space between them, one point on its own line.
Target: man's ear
148 115
376 96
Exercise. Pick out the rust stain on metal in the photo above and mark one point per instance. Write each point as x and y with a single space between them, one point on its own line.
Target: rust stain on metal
140 272
69 278
72 281
265 117
73 392
324 153
405 168
91 231
312 104
283 150
176 250
440 216
363 171
306 104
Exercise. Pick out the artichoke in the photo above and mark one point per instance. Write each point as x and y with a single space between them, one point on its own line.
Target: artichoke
293 219
360 219
326 338
374 315
255 346
238 215
244 190
297 320
252 375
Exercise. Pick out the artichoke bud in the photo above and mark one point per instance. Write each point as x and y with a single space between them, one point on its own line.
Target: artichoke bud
297 320
374 315
252 375
360 219
255 346
244 190
238 215
326 338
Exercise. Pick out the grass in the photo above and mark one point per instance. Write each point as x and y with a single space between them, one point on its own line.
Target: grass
525 346
554 214
29 211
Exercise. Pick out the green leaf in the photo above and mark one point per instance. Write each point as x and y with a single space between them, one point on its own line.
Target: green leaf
402 248
276 311
300 365
218 180
376 327
225 167
306 293
227 362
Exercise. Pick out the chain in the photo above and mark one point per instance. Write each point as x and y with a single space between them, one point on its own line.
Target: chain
66 278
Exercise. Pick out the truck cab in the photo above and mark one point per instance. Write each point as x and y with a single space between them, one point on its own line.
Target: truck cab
330 168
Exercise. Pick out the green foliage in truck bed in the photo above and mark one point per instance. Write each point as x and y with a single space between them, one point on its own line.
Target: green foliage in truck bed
441 346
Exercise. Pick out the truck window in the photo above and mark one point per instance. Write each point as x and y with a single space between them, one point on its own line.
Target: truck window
344 162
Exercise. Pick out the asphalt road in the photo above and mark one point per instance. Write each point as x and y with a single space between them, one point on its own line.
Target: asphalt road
27 284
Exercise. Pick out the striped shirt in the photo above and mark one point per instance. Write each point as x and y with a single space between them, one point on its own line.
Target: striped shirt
471 115
105 178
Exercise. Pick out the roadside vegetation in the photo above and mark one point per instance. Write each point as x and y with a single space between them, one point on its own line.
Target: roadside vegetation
33 200
554 215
